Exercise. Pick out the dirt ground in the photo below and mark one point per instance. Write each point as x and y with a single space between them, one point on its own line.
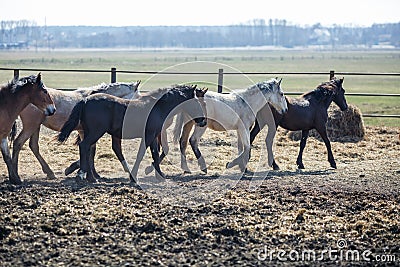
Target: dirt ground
317 216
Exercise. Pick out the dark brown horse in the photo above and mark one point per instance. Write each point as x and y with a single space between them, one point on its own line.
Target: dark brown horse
307 112
14 97
127 119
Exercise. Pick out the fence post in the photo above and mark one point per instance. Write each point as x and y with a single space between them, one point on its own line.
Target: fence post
16 74
331 74
113 75
220 80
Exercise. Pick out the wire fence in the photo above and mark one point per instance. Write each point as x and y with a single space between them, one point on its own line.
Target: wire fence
220 78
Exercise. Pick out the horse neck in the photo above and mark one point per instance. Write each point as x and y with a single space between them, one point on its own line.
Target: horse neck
254 98
17 102
326 100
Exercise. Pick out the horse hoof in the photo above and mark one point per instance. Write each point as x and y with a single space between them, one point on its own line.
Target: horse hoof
148 169
132 180
301 167
333 165
81 175
204 170
15 180
187 172
133 183
69 170
275 167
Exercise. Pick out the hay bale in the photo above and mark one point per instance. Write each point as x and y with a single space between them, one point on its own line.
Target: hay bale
342 126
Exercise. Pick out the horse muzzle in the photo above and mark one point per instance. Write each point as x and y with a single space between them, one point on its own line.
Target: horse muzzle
50 110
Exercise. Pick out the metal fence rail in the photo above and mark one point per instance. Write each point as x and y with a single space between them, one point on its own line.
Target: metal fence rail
220 74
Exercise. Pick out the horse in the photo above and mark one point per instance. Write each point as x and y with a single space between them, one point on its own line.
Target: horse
307 112
128 119
162 138
32 118
14 97
234 111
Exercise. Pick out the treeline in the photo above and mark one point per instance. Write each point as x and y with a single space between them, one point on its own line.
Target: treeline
255 33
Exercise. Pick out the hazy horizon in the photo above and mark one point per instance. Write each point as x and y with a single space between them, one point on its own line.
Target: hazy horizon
204 13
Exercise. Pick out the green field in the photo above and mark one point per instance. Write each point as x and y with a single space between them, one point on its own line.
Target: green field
231 61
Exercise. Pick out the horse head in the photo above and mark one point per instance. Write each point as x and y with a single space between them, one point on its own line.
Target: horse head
338 96
201 121
37 93
277 98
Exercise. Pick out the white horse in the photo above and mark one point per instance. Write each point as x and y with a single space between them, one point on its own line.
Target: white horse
32 118
234 111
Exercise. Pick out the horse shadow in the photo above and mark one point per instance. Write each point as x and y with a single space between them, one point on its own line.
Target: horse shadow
76 184
258 175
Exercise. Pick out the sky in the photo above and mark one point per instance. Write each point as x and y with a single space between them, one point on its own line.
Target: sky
199 12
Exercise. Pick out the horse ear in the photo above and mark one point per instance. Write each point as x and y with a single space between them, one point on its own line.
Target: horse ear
39 78
15 79
279 83
341 80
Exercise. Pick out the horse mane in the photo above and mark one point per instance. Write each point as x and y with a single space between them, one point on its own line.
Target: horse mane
265 85
16 85
323 90
163 93
100 88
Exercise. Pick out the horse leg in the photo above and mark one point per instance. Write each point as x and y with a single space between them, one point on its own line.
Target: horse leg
155 154
116 147
34 146
194 143
164 144
163 141
76 164
17 146
324 136
84 153
256 129
91 161
183 142
164 138
139 158
243 163
14 178
269 140
242 160
304 136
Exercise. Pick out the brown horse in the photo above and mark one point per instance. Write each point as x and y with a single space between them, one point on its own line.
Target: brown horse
307 112
14 97
32 118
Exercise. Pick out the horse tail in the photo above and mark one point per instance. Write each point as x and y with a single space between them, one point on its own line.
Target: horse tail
13 132
178 127
72 122
77 140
